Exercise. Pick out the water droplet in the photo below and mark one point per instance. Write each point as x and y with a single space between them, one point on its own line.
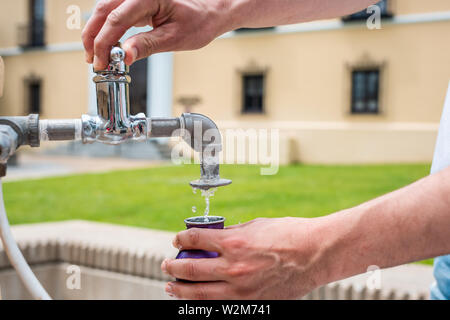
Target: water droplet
194 209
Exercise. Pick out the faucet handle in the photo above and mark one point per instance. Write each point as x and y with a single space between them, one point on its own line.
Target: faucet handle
117 54
116 62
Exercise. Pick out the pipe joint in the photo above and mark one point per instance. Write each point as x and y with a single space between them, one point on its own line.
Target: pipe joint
98 129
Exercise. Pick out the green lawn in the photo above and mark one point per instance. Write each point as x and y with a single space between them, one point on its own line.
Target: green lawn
161 198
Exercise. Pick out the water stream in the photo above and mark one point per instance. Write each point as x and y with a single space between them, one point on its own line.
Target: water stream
207 194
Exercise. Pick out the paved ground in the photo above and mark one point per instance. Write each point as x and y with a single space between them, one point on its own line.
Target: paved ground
34 165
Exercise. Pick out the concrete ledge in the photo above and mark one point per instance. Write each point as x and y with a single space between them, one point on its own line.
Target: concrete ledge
120 262
95 284
128 250
406 282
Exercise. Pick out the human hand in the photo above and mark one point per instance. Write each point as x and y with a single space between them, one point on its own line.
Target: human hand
177 25
261 259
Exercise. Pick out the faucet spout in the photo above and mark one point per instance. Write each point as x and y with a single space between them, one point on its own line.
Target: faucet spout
203 136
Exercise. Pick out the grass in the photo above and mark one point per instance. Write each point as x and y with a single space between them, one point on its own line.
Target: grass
161 198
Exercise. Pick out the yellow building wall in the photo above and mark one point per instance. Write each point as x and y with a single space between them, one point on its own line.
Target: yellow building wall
57 16
64 74
15 13
418 6
308 78
308 88
64 78
12 15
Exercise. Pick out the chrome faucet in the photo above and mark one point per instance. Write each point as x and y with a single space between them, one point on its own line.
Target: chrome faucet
113 124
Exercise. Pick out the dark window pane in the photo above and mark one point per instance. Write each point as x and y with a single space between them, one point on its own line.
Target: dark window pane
365 91
253 91
138 87
36 27
34 92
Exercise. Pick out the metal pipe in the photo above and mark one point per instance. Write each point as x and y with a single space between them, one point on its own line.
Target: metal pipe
162 127
60 130
8 145
27 129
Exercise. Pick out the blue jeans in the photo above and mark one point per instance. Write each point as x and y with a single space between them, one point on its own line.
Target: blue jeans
441 289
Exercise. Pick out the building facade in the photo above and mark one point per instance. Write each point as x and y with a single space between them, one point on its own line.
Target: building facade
337 91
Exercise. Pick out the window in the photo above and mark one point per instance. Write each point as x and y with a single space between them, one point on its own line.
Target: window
37 12
31 35
34 96
253 93
365 91
363 15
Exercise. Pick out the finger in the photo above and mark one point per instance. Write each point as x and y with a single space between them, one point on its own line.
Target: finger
144 44
117 23
95 23
197 238
199 291
195 269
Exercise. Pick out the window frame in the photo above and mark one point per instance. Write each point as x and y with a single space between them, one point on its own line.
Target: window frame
29 82
365 110
32 34
244 110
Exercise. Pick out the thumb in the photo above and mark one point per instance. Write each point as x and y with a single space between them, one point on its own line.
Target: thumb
144 44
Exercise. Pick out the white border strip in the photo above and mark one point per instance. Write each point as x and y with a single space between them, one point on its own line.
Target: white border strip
338 24
330 125
51 48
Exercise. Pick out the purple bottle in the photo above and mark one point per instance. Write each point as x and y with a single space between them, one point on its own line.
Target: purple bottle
208 222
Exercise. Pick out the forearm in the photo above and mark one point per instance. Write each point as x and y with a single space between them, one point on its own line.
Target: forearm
407 225
266 13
